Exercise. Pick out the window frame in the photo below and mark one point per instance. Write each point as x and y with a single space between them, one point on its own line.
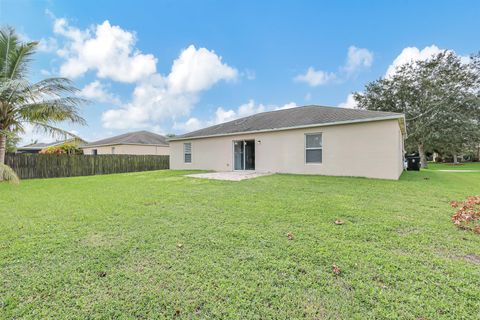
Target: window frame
185 152
313 148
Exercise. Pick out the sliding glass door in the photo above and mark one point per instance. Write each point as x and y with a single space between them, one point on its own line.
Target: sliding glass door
249 154
244 155
238 155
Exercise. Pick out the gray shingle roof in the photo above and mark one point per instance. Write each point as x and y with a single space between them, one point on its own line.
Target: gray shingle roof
288 118
39 145
138 137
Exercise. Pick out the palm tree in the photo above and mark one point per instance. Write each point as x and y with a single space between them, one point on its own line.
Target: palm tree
43 104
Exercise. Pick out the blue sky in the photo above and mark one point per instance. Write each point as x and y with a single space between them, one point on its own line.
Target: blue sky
175 66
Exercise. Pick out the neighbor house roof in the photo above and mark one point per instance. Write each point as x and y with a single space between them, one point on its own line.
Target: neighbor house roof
43 145
39 145
299 117
136 138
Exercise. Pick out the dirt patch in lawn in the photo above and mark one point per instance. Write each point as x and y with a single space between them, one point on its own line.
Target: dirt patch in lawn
99 240
472 258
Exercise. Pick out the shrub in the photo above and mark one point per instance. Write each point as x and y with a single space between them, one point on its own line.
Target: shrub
8 175
52 150
66 148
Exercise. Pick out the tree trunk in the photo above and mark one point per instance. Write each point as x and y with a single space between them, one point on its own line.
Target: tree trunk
3 146
455 158
423 156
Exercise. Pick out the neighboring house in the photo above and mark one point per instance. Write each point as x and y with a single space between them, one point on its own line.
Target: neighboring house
140 142
304 140
37 147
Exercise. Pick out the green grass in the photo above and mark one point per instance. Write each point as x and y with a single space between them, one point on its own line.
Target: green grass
107 247
451 166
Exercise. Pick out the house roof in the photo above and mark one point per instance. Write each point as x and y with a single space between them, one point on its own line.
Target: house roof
39 145
43 145
307 116
138 137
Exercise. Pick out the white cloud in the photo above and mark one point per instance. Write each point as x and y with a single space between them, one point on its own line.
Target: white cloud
349 103
250 108
287 106
159 97
222 115
357 59
108 50
244 110
315 77
97 91
410 54
249 74
192 124
45 73
196 70
47 44
151 103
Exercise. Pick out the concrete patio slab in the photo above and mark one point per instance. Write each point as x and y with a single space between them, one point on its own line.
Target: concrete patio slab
229 176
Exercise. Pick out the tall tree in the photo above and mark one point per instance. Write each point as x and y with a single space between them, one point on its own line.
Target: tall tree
456 127
43 104
439 98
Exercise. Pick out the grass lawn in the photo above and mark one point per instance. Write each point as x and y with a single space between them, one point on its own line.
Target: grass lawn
160 245
451 166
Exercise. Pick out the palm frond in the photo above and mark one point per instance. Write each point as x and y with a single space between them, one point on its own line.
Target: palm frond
7 174
51 130
15 55
53 86
20 59
11 89
8 41
55 110
43 104
7 85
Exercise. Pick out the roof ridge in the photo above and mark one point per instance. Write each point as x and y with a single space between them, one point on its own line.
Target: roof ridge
291 117
284 110
133 137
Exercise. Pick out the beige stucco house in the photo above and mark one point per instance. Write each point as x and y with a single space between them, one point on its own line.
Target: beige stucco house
303 140
139 142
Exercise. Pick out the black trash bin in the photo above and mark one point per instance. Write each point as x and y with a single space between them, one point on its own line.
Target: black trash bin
413 163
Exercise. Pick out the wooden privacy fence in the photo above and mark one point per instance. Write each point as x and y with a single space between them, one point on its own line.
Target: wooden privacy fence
29 166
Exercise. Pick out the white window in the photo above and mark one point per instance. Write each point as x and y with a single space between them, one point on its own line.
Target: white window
187 152
113 150
313 148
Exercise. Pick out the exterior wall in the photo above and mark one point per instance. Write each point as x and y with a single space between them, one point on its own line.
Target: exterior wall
371 149
130 149
401 147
